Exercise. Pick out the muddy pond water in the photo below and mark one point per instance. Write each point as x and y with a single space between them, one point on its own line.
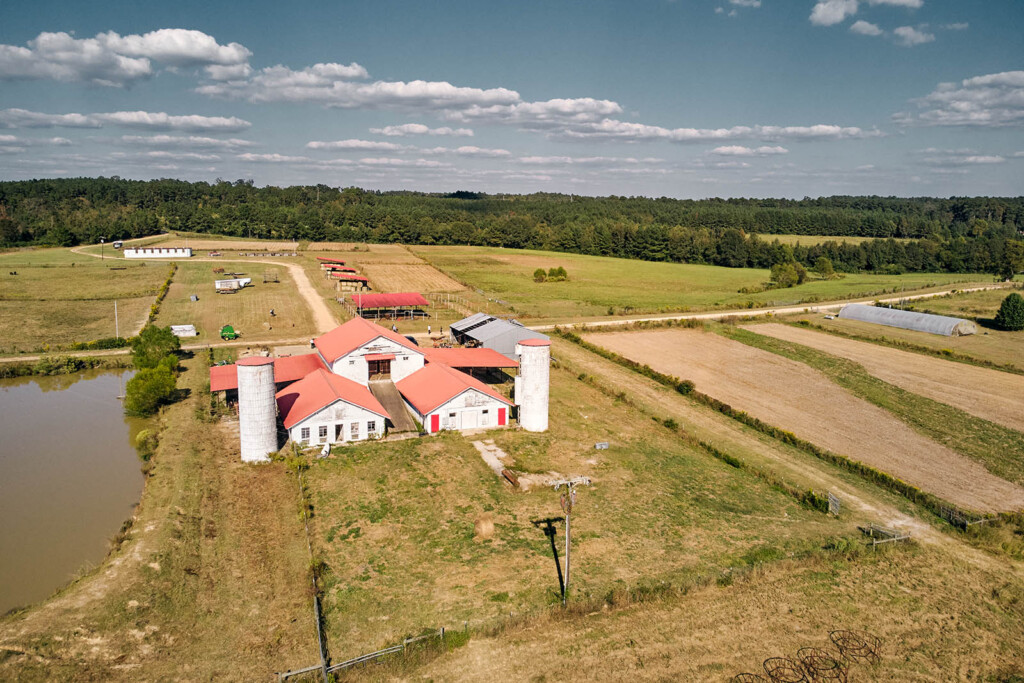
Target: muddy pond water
69 477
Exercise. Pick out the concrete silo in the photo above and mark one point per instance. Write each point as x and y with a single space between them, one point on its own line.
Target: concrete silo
532 384
257 408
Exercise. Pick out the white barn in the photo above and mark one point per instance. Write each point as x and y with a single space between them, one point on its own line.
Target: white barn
443 398
359 350
324 408
156 252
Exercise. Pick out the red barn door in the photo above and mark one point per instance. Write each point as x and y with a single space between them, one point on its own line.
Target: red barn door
435 423
501 417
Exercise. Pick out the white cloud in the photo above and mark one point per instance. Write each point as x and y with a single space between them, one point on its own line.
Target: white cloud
185 142
273 158
746 3
909 4
865 28
548 114
991 100
472 151
356 144
231 72
417 163
164 121
420 129
719 10
908 36
830 12
611 129
945 158
111 59
958 26
23 118
740 151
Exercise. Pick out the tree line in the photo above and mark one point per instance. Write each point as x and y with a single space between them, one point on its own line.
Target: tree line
958 234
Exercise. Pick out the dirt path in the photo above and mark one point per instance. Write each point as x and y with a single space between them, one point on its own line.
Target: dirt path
988 394
760 312
799 399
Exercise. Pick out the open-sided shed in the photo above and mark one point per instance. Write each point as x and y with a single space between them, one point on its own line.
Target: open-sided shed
394 305
909 320
493 333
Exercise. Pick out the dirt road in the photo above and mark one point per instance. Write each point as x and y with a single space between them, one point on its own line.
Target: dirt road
988 394
797 398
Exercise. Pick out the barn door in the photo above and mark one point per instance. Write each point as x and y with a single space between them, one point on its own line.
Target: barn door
501 417
435 423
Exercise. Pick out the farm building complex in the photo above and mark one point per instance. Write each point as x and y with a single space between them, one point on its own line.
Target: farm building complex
909 320
364 380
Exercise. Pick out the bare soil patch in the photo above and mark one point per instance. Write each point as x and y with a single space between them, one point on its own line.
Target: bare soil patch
797 398
988 394
393 277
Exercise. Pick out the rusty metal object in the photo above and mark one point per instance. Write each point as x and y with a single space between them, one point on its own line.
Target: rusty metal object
784 670
510 477
821 665
854 645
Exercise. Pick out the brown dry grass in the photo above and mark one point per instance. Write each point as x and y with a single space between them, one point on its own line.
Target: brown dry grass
792 396
985 393
394 277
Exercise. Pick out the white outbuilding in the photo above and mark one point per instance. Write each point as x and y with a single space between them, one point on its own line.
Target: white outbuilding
443 398
325 408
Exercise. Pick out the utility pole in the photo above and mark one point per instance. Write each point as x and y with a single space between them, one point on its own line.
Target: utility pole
568 499
117 332
102 240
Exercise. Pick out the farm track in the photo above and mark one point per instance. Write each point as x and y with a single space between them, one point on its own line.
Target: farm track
794 397
982 392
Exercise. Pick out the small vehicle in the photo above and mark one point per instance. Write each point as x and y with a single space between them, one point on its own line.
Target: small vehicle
227 333
830 317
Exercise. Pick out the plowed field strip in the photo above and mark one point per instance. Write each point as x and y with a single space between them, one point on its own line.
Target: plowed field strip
797 398
988 394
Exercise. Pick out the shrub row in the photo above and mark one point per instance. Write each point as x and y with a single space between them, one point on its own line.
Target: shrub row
59 365
155 308
928 501
96 344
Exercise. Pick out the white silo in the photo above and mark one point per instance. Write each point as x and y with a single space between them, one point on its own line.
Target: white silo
257 408
532 384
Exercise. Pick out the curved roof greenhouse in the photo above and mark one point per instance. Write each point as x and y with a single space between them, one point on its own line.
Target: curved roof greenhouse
909 320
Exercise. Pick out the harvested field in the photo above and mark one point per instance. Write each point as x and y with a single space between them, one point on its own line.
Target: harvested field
222 245
397 277
988 394
792 396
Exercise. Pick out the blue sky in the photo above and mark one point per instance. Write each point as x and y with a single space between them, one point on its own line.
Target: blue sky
691 98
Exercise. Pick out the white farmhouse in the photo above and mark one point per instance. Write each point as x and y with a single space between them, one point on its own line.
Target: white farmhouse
361 351
325 408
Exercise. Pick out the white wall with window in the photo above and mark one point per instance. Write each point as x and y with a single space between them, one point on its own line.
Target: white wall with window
339 422
354 366
471 409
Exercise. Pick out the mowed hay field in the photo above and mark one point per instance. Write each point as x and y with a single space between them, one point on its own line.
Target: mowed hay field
601 286
794 397
988 394
400 277
394 522
248 310
59 297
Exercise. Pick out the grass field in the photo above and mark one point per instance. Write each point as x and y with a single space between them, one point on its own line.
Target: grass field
989 344
248 310
394 522
59 297
601 286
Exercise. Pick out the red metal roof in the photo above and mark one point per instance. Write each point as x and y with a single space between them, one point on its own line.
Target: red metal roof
330 260
318 390
287 369
389 300
353 334
436 384
347 276
469 358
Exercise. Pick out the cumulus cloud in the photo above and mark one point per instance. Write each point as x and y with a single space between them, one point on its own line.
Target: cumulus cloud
185 142
610 129
991 100
420 129
22 118
740 151
355 144
746 3
472 151
909 4
958 26
957 157
908 36
830 12
12 144
865 28
111 59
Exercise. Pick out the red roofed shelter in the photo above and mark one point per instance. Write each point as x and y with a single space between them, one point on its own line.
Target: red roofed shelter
325 408
397 305
443 398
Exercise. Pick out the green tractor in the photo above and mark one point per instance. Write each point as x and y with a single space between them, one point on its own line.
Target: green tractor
227 333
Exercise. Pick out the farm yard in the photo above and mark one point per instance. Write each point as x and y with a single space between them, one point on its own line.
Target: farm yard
247 310
794 397
600 286
59 297
985 393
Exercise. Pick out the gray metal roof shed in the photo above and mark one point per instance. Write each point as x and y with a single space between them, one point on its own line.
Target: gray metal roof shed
494 333
909 320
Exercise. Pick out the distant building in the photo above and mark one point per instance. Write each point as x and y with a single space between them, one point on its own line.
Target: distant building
166 252
493 333
232 284
184 331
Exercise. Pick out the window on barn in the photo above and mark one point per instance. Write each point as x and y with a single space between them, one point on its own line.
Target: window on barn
322 430
371 427
304 434
338 435
485 418
355 430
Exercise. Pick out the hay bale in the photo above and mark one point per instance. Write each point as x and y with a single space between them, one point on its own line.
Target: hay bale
483 529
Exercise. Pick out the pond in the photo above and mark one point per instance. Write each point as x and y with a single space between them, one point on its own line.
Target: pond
69 477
